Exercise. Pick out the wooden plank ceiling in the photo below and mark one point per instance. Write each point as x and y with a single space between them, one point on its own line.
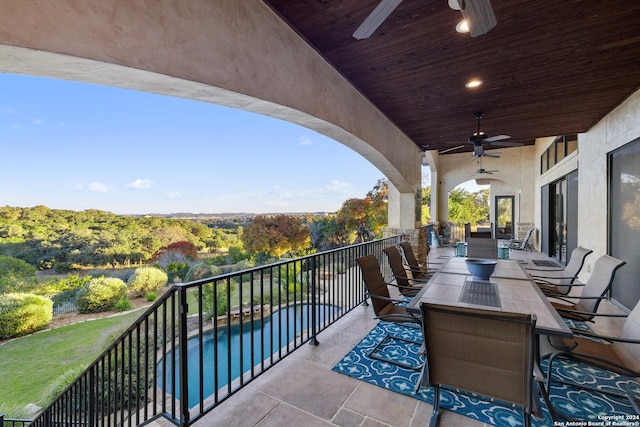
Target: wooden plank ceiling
549 67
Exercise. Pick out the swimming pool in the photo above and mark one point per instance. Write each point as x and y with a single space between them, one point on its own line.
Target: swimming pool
277 330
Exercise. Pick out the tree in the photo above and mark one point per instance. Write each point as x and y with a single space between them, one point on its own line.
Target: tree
364 219
465 206
276 235
426 205
179 250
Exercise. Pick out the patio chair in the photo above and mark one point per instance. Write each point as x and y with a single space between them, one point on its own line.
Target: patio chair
616 354
408 286
584 306
483 352
412 260
521 245
552 281
479 247
384 307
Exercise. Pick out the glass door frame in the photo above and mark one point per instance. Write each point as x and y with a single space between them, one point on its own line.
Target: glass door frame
500 231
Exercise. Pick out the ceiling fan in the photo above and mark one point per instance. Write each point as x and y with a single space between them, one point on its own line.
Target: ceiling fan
478 15
482 170
479 139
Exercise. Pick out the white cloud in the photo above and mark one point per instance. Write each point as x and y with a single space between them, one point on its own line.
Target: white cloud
338 186
140 184
37 122
99 187
303 140
173 195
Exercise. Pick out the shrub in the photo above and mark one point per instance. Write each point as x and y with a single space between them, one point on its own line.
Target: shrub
100 294
121 273
151 296
123 305
221 299
63 381
146 280
63 289
201 271
22 314
16 275
175 270
62 267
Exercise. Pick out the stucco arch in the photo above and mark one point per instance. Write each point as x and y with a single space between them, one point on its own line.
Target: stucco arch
515 177
228 52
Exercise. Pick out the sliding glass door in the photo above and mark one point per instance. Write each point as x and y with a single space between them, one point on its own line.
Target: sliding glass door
560 217
624 221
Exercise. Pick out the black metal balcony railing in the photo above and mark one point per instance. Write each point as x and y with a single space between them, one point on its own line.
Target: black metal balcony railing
203 341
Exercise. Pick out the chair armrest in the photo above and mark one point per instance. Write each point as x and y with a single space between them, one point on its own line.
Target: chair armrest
568 299
589 334
418 281
544 269
547 282
420 271
570 310
380 297
404 288
552 277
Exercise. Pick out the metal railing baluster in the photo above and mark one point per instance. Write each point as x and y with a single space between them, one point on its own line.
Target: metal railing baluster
144 375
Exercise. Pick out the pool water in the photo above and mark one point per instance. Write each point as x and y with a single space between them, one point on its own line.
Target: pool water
269 336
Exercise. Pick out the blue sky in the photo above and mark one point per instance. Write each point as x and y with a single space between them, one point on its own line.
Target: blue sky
70 145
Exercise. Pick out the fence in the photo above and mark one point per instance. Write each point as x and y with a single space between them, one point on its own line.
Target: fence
203 341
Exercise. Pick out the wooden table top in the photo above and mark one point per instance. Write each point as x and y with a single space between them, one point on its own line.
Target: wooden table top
516 292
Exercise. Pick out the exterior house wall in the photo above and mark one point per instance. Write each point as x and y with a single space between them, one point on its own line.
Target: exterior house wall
617 129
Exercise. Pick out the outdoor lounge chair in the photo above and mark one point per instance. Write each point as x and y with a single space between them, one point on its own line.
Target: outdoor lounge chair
521 245
584 306
551 281
384 307
614 354
487 352
408 286
479 247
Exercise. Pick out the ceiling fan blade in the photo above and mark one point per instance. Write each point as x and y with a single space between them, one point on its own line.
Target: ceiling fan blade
451 149
479 16
496 138
375 18
507 144
493 156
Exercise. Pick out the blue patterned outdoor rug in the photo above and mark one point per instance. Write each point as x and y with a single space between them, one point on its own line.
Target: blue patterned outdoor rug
566 400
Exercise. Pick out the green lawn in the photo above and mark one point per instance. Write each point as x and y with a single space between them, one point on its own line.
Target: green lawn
31 365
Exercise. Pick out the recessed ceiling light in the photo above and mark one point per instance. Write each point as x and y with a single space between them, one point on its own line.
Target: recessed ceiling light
463 26
473 83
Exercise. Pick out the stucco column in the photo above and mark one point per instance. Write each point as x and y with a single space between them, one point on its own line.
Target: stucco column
402 209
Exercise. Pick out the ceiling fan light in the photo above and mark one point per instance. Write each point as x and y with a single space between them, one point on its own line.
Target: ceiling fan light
463 26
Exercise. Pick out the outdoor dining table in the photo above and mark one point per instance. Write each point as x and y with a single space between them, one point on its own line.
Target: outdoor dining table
509 288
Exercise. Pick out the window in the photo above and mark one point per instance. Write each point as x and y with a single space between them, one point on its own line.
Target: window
558 150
